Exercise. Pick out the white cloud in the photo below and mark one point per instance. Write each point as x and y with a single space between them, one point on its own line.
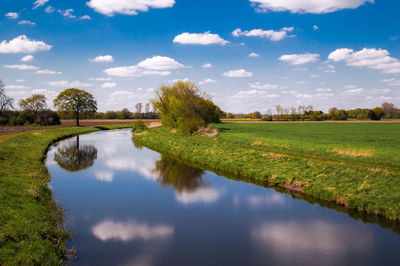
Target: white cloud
207 81
308 6
130 230
27 58
269 34
21 67
67 13
86 17
354 91
205 38
240 73
127 7
23 44
26 22
109 85
372 58
258 85
323 90
207 65
64 84
157 65
315 27
47 72
254 94
12 15
103 58
39 3
49 9
16 87
299 59
254 55
391 82
176 80
100 79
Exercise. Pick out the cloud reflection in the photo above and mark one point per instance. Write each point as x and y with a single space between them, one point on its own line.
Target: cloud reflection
269 199
315 236
144 166
130 230
104 176
201 195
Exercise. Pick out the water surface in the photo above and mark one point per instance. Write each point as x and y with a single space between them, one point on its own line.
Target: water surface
131 206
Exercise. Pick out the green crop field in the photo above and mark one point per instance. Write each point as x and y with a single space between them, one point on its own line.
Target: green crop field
356 165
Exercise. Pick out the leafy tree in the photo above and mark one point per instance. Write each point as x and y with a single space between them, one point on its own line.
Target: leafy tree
389 109
125 114
182 107
5 101
255 115
75 101
34 105
376 113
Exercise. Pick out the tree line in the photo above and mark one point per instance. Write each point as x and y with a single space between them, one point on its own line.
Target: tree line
307 112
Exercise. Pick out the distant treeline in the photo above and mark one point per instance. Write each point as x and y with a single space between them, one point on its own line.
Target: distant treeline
303 113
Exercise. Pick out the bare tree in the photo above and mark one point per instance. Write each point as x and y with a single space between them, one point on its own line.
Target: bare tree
139 107
147 109
389 109
5 101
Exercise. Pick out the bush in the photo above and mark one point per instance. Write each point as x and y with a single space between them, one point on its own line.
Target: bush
267 118
24 118
138 127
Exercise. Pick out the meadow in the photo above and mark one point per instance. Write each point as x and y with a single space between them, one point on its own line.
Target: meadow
356 165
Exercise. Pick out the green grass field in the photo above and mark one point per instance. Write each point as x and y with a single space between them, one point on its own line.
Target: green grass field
30 223
356 165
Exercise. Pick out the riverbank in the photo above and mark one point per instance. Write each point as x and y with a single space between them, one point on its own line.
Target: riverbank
30 221
356 165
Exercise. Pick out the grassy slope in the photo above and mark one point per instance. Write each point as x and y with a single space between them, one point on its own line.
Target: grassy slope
300 157
30 231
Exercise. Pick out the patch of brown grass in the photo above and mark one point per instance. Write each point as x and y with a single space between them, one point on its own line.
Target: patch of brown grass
262 143
207 132
354 153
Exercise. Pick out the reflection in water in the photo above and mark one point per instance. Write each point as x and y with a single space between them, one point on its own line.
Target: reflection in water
266 200
104 176
311 237
130 230
182 177
186 180
74 157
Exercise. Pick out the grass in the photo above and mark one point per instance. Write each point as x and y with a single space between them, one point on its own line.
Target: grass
31 229
356 165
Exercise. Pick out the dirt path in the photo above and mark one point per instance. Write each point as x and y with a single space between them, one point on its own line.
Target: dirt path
300 122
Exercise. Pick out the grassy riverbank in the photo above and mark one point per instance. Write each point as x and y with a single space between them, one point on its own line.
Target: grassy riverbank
30 222
353 164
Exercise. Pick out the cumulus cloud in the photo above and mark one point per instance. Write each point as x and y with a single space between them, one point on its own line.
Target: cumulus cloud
378 59
86 17
21 67
130 230
26 22
240 73
47 72
207 65
258 85
207 81
65 84
39 3
391 82
299 59
272 35
127 7
67 13
27 58
103 58
22 44
308 6
12 15
205 38
157 65
315 27
254 55
109 85
16 87
49 9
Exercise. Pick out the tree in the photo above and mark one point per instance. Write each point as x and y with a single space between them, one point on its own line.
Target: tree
125 114
147 109
139 107
389 109
5 101
34 105
376 113
75 101
182 107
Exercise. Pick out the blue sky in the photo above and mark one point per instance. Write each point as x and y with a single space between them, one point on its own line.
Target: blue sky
320 52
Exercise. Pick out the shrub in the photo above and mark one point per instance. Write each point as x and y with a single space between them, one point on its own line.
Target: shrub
24 118
139 126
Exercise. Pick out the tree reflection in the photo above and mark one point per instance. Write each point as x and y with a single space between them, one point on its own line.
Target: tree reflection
182 177
74 157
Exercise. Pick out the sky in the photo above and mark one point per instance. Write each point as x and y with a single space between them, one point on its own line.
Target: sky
247 54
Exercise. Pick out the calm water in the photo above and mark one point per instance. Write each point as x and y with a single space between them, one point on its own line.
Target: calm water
130 206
